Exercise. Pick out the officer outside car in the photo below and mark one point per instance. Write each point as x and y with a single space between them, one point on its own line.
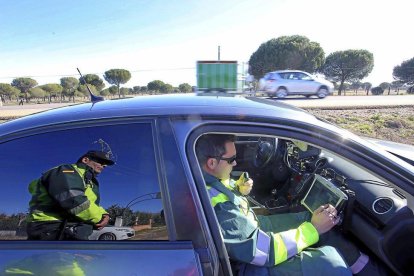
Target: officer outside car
65 200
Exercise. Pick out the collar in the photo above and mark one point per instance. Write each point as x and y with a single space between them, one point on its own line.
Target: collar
215 183
87 171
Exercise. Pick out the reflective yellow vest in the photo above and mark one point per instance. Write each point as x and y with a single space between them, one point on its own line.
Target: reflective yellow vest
64 193
244 239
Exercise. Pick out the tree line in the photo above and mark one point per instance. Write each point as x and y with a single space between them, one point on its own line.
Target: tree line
17 222
70 88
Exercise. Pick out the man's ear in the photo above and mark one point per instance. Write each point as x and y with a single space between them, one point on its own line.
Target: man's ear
211 163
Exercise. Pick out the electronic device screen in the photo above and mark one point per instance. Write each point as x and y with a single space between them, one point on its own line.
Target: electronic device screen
323 192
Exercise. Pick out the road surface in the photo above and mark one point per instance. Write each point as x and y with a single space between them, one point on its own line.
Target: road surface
302 102
350 101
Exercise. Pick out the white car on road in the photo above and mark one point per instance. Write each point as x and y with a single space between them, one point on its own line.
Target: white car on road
293 82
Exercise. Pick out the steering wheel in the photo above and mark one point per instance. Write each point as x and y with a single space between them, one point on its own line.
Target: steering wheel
264 153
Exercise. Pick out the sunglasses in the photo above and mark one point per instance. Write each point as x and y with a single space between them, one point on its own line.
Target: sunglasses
229 160
102 163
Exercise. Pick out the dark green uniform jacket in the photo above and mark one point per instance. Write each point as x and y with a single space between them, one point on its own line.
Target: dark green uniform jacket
247 243
67 192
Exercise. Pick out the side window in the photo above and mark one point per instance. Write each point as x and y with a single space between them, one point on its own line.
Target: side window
129 190
296 76
305 77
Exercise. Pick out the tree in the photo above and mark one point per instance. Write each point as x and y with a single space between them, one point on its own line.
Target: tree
155 85
124 91
104 92
136 89
118 211
8 92
52 89
367 86
24 84
385 86
83 90
37 92
404 72
113 90
69 85
12 222
286 52
143 89
166 88
355 86
184 88
94 80
346 86
117 77
377 90
396 85
349 65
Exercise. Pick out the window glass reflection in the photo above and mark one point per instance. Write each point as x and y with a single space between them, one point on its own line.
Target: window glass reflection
129 190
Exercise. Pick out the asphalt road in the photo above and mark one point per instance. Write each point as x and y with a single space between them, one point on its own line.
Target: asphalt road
302 102
350 101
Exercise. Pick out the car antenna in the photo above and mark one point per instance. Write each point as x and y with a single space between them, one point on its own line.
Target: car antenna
94 98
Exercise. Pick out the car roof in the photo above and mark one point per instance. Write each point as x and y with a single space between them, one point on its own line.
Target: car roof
289 71
161 105
180 105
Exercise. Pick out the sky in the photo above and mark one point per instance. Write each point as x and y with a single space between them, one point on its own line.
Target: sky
162 40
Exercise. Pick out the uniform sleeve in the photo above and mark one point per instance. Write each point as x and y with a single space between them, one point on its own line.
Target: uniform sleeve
245 242
288 243
66 186
95 212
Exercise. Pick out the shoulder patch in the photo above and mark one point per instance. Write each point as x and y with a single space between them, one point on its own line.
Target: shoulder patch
68 171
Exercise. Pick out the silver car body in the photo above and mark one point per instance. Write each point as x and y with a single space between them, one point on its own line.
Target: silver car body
293 82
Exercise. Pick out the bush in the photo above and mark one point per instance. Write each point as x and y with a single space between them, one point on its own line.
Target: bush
377 91
410 90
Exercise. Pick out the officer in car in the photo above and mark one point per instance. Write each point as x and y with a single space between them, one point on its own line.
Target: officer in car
65 200
271 250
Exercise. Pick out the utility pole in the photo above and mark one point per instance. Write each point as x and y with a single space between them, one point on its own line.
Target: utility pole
218 53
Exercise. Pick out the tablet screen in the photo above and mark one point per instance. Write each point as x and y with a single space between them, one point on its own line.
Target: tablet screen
322 192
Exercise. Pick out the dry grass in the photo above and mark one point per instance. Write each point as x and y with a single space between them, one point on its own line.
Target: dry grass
392 124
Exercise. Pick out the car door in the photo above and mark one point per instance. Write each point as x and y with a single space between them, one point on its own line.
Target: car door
304 84
136 188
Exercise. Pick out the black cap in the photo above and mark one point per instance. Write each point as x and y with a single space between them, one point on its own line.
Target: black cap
99 156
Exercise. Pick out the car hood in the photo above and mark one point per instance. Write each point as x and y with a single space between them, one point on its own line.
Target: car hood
403 151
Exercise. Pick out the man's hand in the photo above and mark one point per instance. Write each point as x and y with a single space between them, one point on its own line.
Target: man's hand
246 187
324 218
104 221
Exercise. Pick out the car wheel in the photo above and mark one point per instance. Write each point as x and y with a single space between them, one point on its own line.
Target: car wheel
281 93
322 93
107 237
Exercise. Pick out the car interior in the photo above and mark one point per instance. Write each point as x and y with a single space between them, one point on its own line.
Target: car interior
293 176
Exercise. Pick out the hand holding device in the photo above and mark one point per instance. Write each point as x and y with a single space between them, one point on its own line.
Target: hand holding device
244 183
324 218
